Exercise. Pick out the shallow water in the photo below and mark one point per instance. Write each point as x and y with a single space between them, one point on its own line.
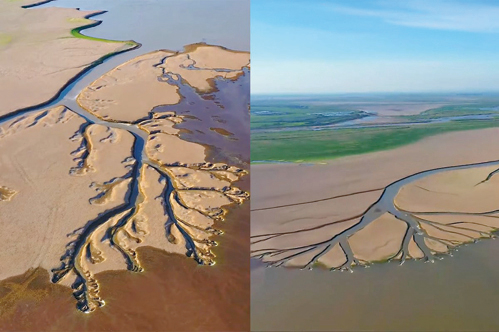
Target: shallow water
455 294
226 109
366 122
169 24
191 297
186 290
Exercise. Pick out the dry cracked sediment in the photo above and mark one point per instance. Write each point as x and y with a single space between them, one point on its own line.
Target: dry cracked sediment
100 187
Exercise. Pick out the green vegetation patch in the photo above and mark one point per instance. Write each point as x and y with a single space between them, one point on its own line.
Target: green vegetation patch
5 39
76 32
308 145
455 111
294 116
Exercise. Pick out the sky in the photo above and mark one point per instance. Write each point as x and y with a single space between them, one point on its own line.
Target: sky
368 46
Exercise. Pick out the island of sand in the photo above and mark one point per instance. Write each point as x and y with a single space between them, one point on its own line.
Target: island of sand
39 55
419 201
109 174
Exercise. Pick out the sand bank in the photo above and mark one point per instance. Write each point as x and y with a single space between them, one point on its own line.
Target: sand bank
79 192
129 92
453 207
58 202
100 190
402 108
39 55
341 191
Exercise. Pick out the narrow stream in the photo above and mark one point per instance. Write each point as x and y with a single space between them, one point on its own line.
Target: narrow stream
387 199
457 294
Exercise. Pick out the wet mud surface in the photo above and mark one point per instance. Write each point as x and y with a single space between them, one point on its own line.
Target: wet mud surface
174 293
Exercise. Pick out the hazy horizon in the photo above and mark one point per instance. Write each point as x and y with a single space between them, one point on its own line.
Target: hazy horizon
382 46
494 92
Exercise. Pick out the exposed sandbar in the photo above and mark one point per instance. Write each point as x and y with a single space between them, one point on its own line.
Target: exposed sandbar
129 92
340 191
99 191
39 55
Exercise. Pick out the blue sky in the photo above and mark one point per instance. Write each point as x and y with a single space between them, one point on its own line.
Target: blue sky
374 46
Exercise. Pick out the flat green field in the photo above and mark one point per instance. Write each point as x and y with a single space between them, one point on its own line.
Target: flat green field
294 116
300 143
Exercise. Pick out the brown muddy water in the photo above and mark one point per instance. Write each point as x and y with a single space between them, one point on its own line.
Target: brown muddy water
173 294
457 293
220 119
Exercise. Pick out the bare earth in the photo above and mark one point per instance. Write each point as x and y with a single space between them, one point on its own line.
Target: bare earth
99 188
114 96
38 54
92 203
306 214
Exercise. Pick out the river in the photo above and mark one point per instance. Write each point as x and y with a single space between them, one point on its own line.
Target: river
166 24
453 294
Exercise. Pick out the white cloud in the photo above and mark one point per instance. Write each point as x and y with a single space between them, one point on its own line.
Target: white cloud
433 14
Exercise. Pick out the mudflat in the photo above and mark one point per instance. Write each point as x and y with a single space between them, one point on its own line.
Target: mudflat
39 55
104 186
298 208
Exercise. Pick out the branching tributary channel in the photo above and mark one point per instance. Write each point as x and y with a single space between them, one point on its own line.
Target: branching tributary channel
417 225
83 249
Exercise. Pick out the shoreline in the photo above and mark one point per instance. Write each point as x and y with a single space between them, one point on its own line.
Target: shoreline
187 48
36 4
304 212
194 232
134 45
76 32
196 237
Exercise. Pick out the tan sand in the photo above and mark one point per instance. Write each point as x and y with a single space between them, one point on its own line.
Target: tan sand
37 161
452 191
91 175
6 193
465 203
92 205
340 191
133 86
38 54
137 302
129 92
280 184
379 240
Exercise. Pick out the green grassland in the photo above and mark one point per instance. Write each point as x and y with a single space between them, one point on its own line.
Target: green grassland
76 33
294 116
310 145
